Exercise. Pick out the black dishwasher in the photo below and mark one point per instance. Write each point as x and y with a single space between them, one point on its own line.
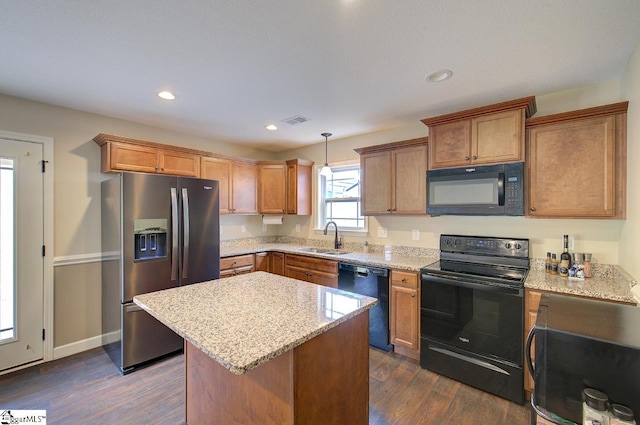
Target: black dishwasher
372 282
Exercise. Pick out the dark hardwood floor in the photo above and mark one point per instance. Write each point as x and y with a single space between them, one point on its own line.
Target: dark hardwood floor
87 389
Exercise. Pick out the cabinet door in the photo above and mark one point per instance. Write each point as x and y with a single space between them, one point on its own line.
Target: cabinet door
272 188
403 322
218 169
572 169
244 188
375 173
498 138
299 189
296 273
178 163
409 183
277 263
262 262
126 157
450 145
404 312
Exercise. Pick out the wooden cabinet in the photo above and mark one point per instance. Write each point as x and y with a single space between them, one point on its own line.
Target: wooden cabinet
314 270
531 303
122 154
486 135
239 264
404 313
393 178
238 184
262 262
285 187
276 260
273 184
576 164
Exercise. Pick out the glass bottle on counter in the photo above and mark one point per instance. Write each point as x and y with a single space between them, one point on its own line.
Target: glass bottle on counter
547 263
594 407
621 415
565 258
554 264
587 264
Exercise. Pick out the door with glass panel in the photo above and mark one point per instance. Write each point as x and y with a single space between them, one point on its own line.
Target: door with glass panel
21 260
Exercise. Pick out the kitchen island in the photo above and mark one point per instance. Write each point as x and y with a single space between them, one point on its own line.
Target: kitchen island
262 348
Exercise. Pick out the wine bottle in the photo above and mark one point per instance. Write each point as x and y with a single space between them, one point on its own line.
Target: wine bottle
565 258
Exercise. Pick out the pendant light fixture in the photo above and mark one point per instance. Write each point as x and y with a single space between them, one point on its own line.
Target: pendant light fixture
325 170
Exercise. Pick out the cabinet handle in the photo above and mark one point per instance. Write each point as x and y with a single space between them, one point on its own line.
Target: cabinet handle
394 209
388 209
475 157
533 208
403 280
413 295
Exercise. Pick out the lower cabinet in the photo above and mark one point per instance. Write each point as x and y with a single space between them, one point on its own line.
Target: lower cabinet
262 262
404 313
314 270
276 260
240 264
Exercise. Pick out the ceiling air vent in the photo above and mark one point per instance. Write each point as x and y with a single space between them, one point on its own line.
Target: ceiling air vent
296 119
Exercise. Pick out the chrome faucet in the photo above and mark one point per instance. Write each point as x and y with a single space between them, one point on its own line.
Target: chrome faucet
337 243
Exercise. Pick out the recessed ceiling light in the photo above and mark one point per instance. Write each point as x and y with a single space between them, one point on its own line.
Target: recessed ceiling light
167 95
271 127
436 77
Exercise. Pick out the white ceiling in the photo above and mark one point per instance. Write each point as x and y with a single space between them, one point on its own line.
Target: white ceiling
350 66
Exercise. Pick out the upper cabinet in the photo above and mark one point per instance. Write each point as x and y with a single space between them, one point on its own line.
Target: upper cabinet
123 154
393 178
577 163
486 135
285 187
238 183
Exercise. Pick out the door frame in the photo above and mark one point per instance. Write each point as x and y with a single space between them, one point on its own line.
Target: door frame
47 278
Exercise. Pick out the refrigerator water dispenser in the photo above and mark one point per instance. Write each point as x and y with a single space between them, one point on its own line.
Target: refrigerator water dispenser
150 239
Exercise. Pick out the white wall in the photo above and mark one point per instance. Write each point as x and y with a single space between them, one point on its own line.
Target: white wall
630 229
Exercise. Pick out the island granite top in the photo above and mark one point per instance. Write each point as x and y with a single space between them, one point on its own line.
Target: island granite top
246 320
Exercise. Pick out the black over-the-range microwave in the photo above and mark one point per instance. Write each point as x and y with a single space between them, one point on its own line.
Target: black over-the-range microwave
477 190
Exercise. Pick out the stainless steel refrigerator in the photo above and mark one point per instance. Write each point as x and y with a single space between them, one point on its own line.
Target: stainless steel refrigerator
158 232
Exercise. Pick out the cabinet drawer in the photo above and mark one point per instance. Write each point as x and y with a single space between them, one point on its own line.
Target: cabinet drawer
237 261
402 278
328 266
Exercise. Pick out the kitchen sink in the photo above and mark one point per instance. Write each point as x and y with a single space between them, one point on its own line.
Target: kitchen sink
325 251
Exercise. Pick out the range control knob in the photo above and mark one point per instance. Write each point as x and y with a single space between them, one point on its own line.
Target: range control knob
518 246
507 245
456 242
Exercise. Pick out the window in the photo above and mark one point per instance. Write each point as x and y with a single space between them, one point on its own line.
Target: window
339 198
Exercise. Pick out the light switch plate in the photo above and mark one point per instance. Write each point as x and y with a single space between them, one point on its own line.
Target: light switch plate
382 232
243 228
298 228
415 234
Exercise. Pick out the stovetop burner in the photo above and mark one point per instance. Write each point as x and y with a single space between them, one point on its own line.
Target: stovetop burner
488 259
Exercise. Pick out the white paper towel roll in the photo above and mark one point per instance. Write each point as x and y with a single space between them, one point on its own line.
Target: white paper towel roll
272 219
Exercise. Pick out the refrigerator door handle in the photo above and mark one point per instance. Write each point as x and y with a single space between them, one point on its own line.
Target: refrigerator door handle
174 233
185 238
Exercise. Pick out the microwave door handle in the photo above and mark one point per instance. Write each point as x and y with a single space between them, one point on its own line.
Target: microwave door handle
501 187
527 351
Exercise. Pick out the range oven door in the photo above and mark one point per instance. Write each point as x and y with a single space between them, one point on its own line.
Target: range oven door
481 318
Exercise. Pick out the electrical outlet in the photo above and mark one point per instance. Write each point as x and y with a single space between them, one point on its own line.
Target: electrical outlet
415 234
243 228
382 232
298 228
221 227
264 227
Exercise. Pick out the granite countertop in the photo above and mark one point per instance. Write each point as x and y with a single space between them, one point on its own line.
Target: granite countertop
246 320
398 260
609 283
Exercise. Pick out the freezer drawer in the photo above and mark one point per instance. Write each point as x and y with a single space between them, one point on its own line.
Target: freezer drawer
152 338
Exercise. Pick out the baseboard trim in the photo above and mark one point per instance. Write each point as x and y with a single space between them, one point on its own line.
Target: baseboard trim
85 344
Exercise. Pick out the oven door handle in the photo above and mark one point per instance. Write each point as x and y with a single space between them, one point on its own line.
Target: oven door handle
470 285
